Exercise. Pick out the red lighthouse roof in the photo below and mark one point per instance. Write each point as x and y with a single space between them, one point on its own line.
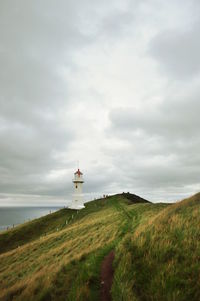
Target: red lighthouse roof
78 172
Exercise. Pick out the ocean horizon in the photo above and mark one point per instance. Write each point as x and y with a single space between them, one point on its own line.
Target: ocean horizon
13 216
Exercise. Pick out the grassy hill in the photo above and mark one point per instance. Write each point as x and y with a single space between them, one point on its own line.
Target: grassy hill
59 256
160 259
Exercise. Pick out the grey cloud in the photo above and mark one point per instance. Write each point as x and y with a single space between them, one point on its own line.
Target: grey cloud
177 52
162 144
37 40
174 118
47 109
160 174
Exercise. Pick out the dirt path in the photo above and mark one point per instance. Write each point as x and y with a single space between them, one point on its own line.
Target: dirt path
107 276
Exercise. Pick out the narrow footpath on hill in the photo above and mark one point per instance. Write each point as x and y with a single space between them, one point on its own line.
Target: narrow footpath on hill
107 271
107 276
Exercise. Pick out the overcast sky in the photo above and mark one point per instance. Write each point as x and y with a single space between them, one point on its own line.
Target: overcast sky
114 84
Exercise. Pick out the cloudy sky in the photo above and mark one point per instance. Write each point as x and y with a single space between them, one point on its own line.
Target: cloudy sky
114 84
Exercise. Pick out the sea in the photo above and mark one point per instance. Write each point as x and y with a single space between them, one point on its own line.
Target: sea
10 217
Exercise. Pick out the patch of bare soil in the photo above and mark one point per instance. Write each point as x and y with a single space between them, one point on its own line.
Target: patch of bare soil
107 276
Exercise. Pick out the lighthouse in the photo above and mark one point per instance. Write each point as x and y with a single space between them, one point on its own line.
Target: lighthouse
77 202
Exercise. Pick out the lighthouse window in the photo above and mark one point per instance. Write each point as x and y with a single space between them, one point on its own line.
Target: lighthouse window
76 186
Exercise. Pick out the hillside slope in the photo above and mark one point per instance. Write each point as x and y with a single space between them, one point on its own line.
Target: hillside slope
48 259
50 223
156 252
160 260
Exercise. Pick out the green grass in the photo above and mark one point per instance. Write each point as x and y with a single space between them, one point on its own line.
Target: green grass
156 252
160 259
50 223
30 271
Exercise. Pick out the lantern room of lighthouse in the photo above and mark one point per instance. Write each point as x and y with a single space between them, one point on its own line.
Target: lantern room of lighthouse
78 181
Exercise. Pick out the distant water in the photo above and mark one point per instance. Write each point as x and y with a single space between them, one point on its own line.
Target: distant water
10 216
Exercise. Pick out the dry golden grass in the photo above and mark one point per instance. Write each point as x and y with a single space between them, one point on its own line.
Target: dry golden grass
25 269
165 261
65 264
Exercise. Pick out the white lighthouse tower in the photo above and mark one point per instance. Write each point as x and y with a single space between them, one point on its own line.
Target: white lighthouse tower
77 202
